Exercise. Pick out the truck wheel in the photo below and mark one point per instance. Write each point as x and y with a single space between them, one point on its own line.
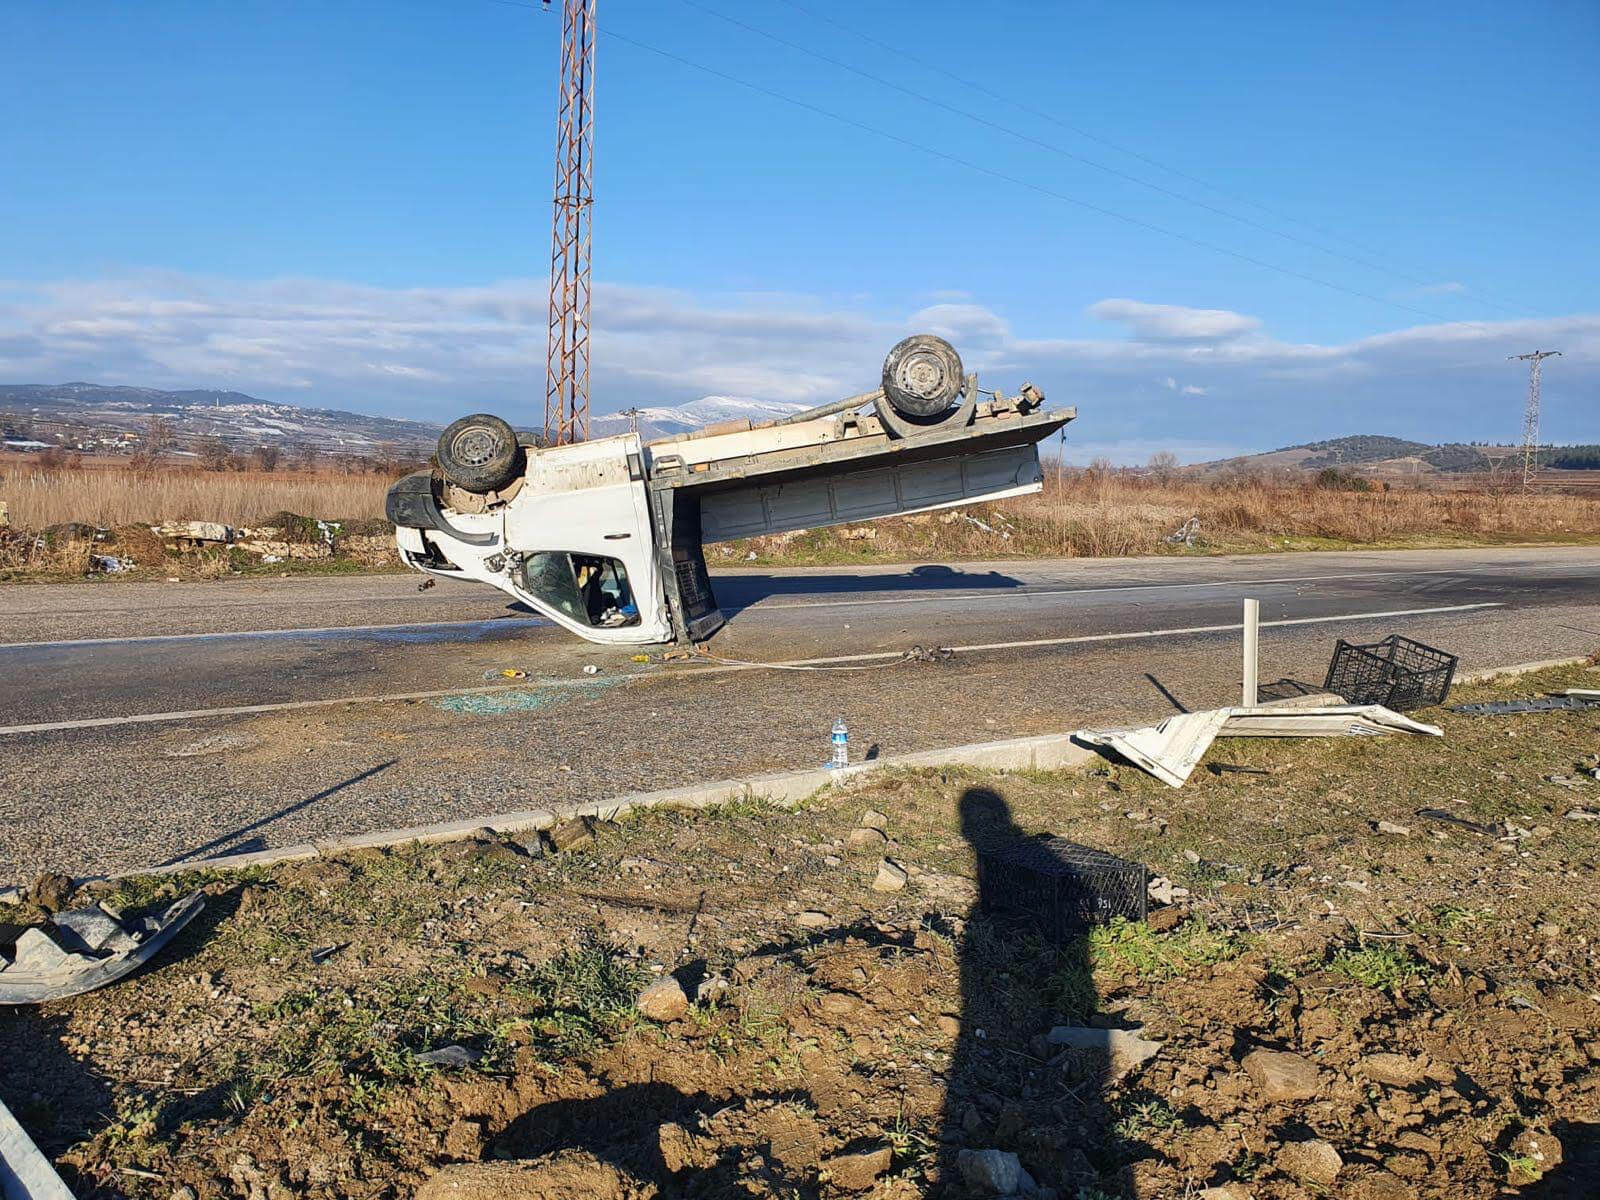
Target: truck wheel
922 376
479 453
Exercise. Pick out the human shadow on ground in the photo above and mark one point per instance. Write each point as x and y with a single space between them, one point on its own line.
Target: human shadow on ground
1009 1090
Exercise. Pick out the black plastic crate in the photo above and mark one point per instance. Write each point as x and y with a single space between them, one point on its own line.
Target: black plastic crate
1061 886
1397 673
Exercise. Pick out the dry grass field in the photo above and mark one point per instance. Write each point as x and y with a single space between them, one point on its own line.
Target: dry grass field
120 494
1098 513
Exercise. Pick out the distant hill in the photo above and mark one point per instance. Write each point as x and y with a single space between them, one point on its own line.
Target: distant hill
95 416
91 414
1378 454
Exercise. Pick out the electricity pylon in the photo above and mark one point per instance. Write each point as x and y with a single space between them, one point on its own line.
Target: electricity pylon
1530 414
566 397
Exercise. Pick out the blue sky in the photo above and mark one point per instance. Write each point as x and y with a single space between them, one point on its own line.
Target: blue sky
347 204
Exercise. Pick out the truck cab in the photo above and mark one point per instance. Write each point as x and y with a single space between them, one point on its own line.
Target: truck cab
606 537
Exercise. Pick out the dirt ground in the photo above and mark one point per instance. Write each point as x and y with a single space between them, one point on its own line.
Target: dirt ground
754 1001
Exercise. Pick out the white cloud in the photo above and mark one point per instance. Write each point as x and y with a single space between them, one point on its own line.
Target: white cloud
1162 322
437 352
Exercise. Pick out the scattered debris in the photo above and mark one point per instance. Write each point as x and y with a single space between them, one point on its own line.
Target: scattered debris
591 669
110 564
1571 700
449 1056
1186 534
1170 750
1236 769
84 949
1439 814
1107 1054
1163 891
1391 828
25 1173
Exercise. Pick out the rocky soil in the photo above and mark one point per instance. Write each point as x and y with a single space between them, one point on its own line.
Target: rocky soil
1342 998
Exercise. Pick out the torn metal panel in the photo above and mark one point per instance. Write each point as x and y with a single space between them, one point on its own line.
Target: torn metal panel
1170 750
1334 720
86 949
25 1173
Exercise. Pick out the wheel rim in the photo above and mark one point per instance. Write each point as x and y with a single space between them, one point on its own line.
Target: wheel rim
476 446
923 374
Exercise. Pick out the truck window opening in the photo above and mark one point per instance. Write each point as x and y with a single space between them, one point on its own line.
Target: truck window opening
585 587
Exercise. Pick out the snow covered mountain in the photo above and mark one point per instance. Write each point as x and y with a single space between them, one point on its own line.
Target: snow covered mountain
696 414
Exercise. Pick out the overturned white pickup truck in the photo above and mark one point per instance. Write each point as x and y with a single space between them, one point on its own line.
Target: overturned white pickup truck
606 537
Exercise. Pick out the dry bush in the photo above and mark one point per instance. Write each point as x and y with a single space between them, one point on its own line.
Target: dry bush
40 496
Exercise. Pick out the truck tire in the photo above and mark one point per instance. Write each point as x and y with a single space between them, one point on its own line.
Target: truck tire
922 376
479 453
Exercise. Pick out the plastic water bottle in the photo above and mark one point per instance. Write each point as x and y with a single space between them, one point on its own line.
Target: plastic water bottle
841 744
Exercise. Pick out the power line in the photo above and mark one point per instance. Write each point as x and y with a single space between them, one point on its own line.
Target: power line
1014 180
1084 133
994 173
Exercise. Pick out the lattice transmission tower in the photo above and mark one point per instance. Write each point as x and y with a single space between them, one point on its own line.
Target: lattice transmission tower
1530 414
566 397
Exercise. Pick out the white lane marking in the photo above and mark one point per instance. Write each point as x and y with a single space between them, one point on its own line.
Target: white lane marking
262 633
1124 637
1024 594
391 697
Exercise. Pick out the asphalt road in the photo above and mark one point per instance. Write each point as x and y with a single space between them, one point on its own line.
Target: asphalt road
122 744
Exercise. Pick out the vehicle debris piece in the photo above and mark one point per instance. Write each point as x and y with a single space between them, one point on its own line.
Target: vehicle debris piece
1439 814
25 1173
84 949
449 1056
1170 750
1573 699
1110 1053
607 537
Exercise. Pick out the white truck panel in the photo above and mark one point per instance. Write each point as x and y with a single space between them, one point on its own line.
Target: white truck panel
865 494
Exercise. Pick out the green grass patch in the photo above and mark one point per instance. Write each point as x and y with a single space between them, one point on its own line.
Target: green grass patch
1131 945
1385 967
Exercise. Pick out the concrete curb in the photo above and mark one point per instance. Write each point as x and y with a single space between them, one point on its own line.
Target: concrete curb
1485 673
1044 752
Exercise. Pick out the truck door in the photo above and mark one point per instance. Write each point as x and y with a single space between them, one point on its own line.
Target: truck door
581 525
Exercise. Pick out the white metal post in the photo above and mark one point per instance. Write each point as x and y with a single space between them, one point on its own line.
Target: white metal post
1252 633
